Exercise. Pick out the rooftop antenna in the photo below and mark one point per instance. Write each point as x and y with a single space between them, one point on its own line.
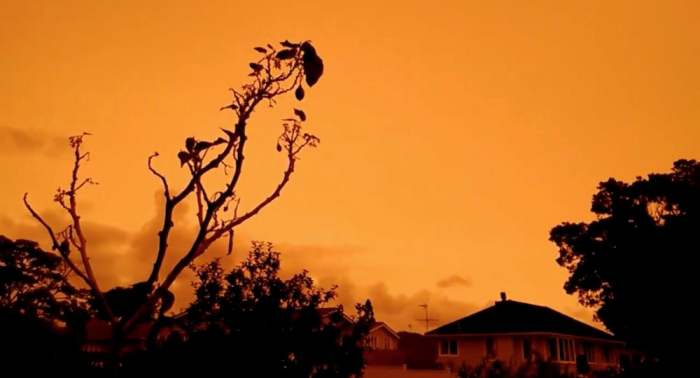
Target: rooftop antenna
427 319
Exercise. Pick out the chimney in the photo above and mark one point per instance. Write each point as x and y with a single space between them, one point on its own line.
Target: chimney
503 296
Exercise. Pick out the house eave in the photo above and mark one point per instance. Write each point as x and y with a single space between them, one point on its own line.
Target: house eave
467 335
388 329
349 319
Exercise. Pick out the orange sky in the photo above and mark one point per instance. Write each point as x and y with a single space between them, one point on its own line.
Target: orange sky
453 136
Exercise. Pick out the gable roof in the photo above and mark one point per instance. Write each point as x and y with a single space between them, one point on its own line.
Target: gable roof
327 311
377 325
517 317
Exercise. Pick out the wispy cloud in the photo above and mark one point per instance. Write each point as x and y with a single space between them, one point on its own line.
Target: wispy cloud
17 141
453 281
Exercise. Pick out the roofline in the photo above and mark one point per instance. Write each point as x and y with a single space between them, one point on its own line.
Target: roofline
523 334
336 309
349 319
533 305
387 328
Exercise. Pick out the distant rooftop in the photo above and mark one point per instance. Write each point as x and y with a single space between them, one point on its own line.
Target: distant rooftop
377 325
508 316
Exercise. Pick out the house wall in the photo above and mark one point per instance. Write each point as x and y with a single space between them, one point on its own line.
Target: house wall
540 347
509 351
401 372
472 351
385 357
381 339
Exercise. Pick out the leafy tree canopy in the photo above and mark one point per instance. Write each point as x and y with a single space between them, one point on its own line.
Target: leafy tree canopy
35 298
632 262
252 320
35 283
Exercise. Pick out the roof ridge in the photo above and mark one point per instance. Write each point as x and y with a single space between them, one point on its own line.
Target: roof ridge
482 319
586 324
574 319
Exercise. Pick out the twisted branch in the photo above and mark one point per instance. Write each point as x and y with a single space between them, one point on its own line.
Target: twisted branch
270 80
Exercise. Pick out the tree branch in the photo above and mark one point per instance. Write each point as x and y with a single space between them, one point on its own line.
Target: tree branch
73 211
174 201
95 289
244 103
276 193
166 188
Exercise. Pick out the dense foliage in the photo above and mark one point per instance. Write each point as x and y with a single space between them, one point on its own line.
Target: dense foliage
35 283
36 302
631 262
251 320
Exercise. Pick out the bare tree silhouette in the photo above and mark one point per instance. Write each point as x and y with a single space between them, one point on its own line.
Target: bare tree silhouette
276 73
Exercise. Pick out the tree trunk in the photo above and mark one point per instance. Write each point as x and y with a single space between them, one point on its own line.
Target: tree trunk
114 360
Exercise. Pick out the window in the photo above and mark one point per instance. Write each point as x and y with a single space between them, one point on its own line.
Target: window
527 350
490 348
553 349
448 348
589 352
566 350
606 355
371 342
561 349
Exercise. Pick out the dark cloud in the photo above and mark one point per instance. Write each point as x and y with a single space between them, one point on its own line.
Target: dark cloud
122 258
453 281
16 141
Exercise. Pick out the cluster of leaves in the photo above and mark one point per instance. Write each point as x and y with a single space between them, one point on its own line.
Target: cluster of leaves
631 262
488 369
646 369
537 368
250 319
195 151
311 62
292 56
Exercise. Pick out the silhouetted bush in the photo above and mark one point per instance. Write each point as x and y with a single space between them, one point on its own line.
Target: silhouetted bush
34 347
251 321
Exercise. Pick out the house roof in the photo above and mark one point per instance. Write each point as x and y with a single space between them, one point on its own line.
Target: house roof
327 311
509 316
377 325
